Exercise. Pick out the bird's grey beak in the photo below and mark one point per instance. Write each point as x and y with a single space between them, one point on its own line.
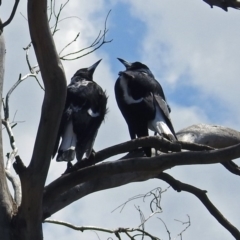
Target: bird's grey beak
125 63
93 67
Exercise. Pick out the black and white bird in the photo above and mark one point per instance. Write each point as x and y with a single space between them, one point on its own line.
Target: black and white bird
142 102
83 114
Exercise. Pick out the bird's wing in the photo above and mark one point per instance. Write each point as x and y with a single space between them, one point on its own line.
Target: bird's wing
66 116
87 120
164 112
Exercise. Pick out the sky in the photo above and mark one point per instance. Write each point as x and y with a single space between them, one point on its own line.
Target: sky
194 53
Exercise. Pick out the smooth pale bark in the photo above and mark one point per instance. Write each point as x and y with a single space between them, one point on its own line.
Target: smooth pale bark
6 201
212 135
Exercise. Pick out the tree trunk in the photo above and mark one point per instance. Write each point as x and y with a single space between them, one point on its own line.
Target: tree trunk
6 201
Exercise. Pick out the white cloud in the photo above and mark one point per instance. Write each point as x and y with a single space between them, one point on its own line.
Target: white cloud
181 38
187 38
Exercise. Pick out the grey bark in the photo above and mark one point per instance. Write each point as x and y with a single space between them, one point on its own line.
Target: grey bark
86 178
6 201
28 223
212 135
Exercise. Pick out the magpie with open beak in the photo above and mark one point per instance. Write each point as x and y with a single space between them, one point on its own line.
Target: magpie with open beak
85 109
142 102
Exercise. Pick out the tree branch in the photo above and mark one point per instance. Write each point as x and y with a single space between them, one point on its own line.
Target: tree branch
224 4
212 135
15 181
137 165
12 14
156 142
202 196
93 228
96 44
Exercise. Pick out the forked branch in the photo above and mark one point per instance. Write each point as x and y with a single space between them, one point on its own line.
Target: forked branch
96 44
116 232
202 196
12 14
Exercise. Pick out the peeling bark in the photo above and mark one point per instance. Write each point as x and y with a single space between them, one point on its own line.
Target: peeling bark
6 201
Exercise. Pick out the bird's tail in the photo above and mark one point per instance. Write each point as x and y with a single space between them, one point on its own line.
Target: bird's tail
162 124
162 129
66 151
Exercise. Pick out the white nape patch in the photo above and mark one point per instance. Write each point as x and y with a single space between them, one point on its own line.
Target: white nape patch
78 83
127 98
69 138
158 124
84 82
92 114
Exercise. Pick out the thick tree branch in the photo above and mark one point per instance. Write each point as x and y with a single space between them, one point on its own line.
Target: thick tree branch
156 142
211 135
51 206
224 4
214 136
202 196
148 165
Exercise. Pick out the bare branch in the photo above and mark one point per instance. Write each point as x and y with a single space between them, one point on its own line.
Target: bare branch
96 44
15 182
156 142
12 14
212 135
91 179
202 196
155 193
188 223
165 225
115 231
57 15
224 4
69 44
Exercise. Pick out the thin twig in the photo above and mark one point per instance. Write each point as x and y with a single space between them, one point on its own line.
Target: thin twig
188 223
202 196
169 233
12 14
62 6
115 231
96 44
74 40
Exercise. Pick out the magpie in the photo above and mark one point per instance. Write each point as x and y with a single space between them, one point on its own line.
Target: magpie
85 109
142 102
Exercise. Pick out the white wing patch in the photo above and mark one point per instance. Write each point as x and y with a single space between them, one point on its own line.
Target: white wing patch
69 138
127 98
159 125
92 114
